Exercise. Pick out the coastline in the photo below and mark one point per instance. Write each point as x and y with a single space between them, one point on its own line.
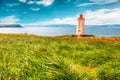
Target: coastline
90 36
87 37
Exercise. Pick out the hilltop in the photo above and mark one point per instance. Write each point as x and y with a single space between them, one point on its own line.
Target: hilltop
10 26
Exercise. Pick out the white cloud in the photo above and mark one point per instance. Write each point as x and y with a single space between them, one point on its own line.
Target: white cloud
35 9
9 20
85 4
39 2
103 1
45 2
103 16
99 17
11 5
30 2
23 1
67 20
99 2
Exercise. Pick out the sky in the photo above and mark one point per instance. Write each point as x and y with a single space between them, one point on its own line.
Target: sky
46 12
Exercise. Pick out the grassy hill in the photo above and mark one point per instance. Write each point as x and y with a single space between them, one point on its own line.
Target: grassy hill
58 58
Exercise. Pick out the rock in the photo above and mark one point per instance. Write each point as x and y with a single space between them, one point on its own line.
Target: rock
87 35
83 35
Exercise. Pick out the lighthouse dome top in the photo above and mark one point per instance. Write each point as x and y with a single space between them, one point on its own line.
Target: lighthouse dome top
81 17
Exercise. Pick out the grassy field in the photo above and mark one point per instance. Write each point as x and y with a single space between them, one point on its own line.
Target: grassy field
28 57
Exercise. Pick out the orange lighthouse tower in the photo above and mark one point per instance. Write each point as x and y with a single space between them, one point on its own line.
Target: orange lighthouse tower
81 25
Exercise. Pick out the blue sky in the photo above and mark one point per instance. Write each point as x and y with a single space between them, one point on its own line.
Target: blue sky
59 11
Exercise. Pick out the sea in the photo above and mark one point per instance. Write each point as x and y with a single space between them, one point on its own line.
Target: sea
97 30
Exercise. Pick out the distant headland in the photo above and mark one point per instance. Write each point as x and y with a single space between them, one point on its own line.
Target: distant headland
10 26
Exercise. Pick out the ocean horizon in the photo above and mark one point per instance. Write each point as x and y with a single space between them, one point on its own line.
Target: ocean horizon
59 30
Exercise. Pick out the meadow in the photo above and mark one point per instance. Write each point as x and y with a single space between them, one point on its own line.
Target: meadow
31 57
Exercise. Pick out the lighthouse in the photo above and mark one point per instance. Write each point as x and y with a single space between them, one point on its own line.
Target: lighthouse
80 25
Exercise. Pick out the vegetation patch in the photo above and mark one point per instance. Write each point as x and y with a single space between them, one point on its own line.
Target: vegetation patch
58 58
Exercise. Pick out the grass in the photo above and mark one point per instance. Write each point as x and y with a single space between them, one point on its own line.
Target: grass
24 57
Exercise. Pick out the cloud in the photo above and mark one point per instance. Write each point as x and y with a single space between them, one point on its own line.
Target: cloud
39 2
103 1
11 5
103 16
67 20
9 20
30 2
99 2
45 2
98 17
23 1
35 9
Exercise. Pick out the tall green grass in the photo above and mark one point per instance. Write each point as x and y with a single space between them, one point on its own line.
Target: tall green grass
58 58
